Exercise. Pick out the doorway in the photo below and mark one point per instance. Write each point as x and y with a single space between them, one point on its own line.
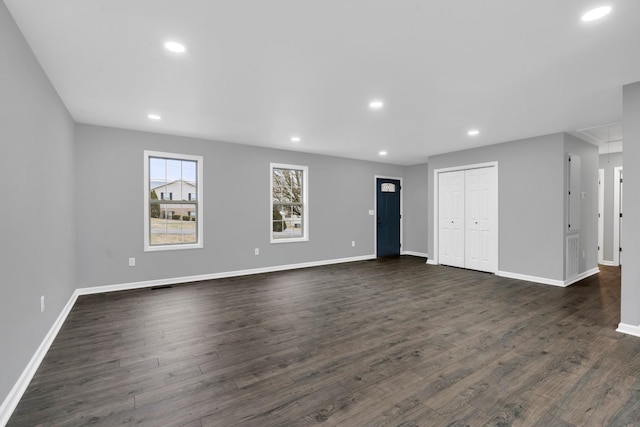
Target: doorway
617 215
388 216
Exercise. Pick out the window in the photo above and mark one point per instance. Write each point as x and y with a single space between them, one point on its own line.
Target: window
387 187
172 201
289 203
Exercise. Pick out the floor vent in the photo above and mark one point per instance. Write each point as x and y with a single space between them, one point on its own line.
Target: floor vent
573 256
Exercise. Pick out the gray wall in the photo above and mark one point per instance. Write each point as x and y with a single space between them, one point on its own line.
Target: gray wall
608 162
531 202
630 238
37 227
589 204
109 169
415 208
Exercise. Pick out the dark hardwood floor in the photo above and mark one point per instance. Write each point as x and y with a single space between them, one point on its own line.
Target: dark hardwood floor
385 342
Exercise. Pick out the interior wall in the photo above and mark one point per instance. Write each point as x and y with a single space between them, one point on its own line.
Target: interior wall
236 207
415 213
530 205
588 202
630 239
608 162
37 227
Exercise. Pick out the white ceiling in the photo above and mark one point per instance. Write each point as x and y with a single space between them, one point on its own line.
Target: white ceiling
257 72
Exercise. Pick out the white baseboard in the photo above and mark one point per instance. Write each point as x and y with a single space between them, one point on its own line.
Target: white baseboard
431 262
628 329
581 276
13 398
547 281
536 279
418 254
608 263
200 277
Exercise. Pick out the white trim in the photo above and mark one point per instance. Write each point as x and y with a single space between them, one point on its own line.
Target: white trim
221 275
617 201
199 205
536 279
436 174
431 262
608 263
547 281
600 216
13 398
581 276
305 203
375 211
413 253
628 329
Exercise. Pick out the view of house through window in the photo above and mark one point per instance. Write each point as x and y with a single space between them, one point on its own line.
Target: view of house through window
172 204
288 207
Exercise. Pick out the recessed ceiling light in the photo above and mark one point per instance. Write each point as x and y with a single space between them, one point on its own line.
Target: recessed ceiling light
596 13
382 153
295 139
175 47
376 104
154 116
473 132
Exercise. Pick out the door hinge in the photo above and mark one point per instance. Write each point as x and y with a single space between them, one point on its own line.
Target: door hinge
620 214
598 247
619 249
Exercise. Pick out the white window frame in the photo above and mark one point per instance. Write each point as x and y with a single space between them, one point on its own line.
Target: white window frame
199 205
305 203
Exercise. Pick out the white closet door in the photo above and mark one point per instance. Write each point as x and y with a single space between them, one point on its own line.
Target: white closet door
451 218
480 232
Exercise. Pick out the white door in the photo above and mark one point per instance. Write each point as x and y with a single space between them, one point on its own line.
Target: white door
480 242
451 218
600 216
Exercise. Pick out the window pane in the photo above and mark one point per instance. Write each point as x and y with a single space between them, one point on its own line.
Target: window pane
287 203
171 181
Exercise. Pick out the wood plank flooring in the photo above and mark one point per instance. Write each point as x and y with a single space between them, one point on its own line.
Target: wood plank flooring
391 342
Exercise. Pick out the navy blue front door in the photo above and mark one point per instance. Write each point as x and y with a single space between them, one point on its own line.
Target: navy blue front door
388 216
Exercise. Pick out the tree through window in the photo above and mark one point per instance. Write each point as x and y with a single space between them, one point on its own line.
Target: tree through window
289 212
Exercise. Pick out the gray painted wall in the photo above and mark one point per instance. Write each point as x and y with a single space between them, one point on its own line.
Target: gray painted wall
37 227
236 207
415 203
630 238
531 206
589 204
608 162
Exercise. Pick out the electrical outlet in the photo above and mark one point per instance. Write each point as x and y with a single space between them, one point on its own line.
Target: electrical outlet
257 251
584 254
42 304
353 243
371 212
132 262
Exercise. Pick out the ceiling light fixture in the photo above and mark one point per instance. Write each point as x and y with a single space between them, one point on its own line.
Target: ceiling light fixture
376 104
473 132
175 47
295 139
596 13
154 116
382 153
